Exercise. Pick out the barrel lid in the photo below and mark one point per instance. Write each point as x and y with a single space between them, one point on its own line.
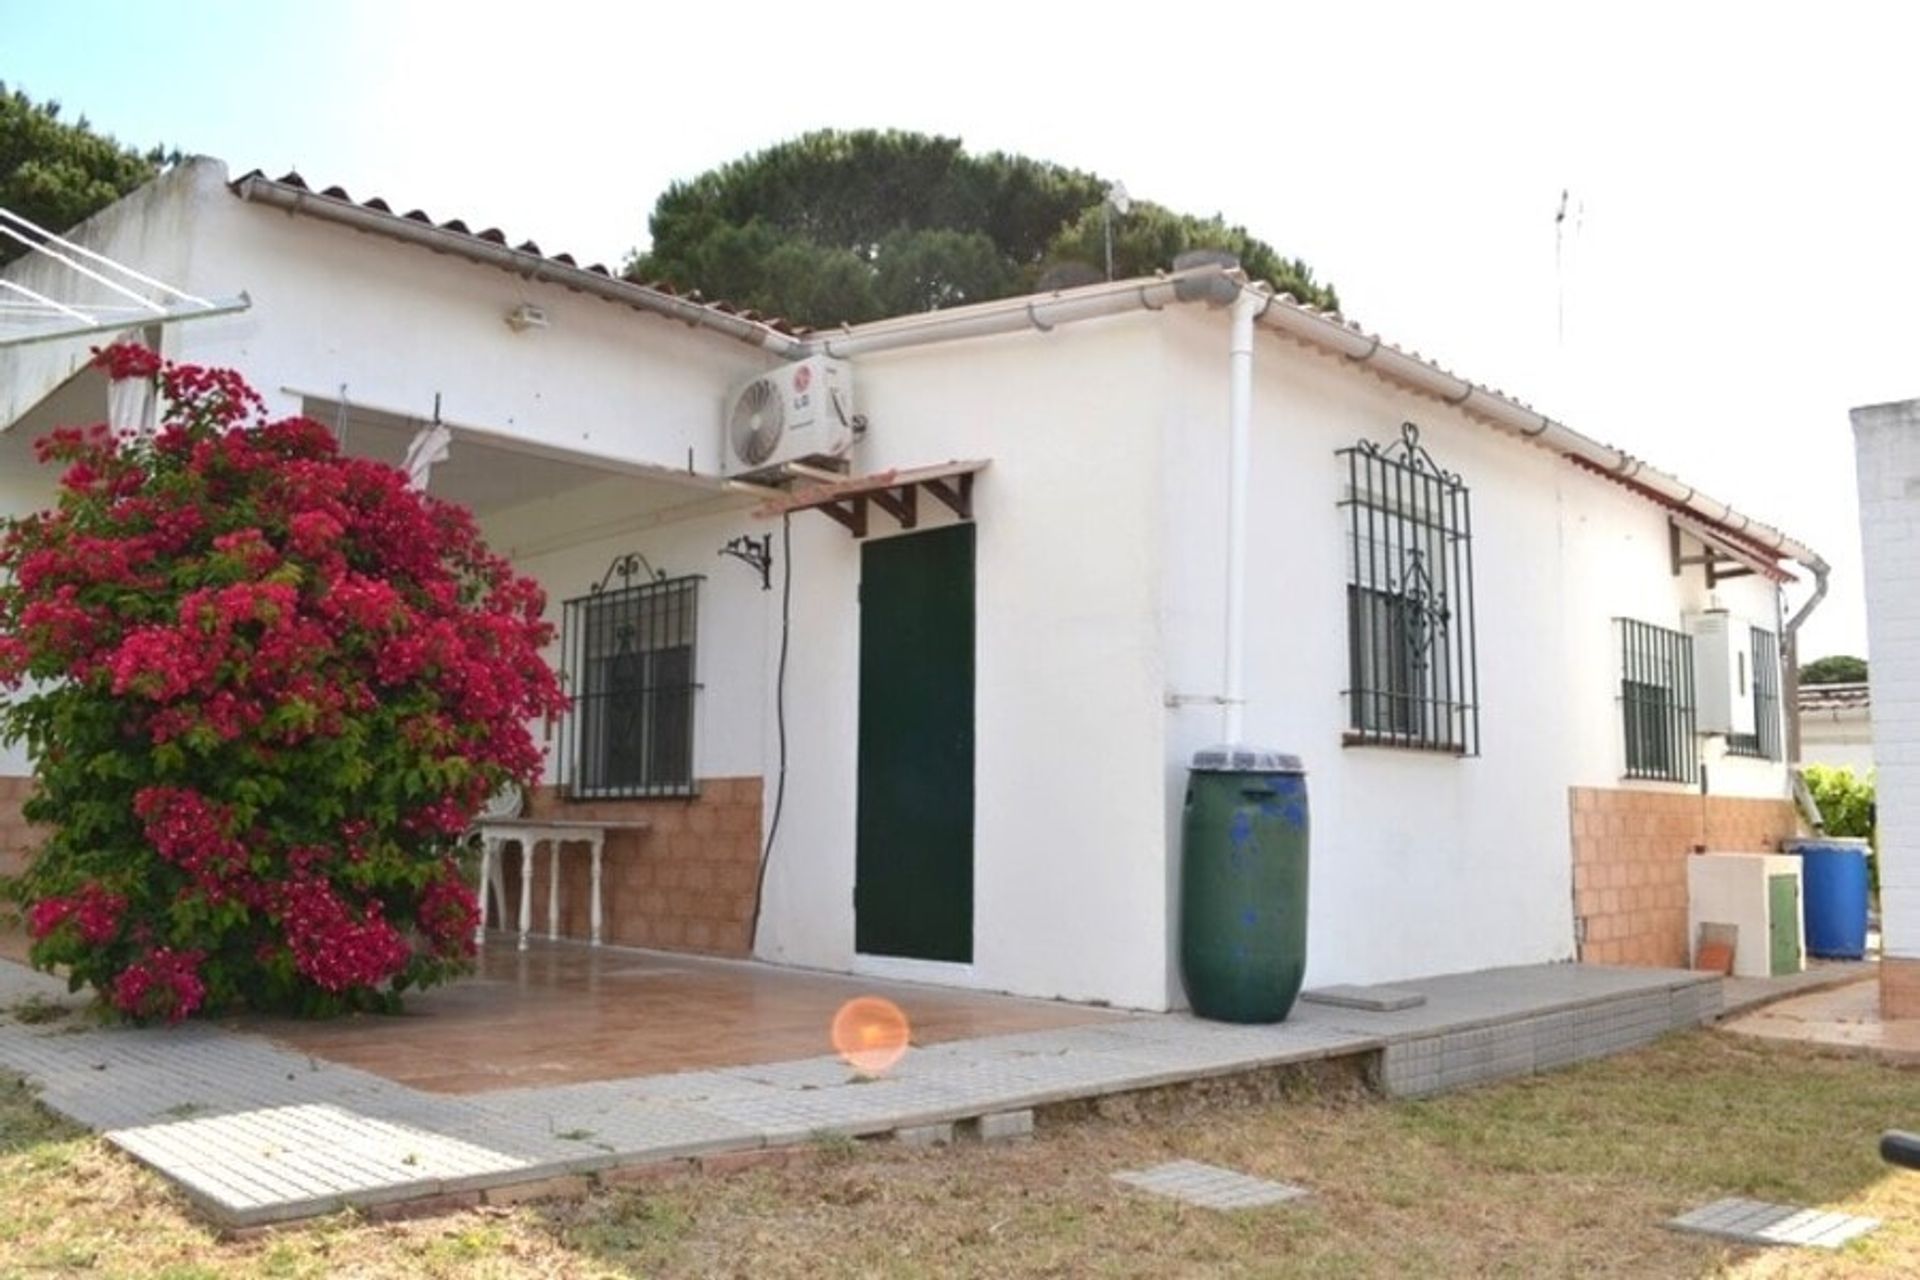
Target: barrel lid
1799 843
1240 758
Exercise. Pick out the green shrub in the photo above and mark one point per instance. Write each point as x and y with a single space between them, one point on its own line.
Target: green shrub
1846 802
264 687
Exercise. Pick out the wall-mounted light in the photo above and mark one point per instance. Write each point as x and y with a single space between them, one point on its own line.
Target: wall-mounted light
527 316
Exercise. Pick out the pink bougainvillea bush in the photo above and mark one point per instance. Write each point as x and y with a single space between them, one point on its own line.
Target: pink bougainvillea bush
265 688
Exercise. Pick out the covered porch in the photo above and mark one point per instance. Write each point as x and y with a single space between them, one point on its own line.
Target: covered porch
656 774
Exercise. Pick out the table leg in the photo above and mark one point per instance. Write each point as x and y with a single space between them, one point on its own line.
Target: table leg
486 877
595 844
526 890
553 890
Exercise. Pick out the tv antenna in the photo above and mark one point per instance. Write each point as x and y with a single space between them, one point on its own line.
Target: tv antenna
1574 212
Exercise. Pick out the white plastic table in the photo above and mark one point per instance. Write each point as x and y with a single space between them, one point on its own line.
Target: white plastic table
495 836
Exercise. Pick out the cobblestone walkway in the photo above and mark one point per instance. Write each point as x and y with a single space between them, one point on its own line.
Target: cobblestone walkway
256 1133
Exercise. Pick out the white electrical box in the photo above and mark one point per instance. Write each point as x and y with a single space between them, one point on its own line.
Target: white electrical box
1722 673
1759 895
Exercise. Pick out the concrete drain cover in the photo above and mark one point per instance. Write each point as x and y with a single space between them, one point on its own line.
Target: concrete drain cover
1756 1222
1209 1186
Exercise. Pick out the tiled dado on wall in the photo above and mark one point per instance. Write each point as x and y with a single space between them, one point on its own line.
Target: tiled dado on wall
16 837
1630 851
1899 987
685 883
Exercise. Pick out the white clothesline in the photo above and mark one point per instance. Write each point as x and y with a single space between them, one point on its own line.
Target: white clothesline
29 314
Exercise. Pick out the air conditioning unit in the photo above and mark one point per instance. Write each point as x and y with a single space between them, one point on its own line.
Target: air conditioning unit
799 411
1723 673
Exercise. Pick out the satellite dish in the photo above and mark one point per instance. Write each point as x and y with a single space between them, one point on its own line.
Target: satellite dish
1118 198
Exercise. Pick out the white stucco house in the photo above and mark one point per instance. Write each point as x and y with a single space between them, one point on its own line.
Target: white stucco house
1081 535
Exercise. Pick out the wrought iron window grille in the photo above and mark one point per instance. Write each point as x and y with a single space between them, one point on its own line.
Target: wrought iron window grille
628 654
1657 706
1413 675
1764 742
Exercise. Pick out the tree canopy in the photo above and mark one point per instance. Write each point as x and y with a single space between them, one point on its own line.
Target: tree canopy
842 227
1841 668
58 173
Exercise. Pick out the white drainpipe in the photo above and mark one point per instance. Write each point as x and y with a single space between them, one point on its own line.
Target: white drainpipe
1247 306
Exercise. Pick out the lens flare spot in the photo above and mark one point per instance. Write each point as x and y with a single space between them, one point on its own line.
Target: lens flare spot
870 1034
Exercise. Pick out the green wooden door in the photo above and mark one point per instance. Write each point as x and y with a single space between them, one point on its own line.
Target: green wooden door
913 885
1783 924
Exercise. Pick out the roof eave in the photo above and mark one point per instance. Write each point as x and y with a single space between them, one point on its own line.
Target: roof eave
1332 333
302 200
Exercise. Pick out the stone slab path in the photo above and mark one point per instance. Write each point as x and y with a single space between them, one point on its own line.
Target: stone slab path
1209 1186
1758 1223
256 1133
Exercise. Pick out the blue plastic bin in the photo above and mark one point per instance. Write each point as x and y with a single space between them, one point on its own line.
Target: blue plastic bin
1833 876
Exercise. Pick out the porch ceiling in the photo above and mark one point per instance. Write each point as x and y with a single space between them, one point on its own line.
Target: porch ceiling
484 473
79 400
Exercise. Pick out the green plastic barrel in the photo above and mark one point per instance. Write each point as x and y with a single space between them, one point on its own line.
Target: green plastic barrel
1243 884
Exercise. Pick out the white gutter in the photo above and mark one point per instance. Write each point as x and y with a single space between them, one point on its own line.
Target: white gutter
532 266
1328 333
1511 415
1247 306
1007 315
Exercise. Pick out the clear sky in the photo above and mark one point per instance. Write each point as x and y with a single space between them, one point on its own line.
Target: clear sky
1741 263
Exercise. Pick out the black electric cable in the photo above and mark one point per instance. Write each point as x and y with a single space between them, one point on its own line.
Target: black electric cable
780 718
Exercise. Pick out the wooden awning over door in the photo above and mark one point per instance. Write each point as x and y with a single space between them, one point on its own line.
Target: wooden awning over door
896 492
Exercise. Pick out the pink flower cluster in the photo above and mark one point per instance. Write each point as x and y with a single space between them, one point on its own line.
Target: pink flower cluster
127 360
449 912
332 947
194 834
163 984
94 911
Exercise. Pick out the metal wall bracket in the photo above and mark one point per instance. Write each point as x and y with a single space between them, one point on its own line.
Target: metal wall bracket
1718 567
755 553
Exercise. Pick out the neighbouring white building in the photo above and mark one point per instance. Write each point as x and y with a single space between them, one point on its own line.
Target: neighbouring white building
1886 443
1082 535
1836 726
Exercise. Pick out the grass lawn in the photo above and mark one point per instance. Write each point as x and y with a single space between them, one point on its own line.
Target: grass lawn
1566 1174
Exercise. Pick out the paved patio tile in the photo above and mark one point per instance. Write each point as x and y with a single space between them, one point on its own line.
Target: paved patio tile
1209 1186
307 1157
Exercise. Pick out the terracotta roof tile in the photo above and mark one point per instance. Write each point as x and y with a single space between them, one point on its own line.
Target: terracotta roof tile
1834 697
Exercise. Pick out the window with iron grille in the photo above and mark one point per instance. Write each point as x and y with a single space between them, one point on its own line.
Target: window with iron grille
629 658
1764 742
1656 701
1412 679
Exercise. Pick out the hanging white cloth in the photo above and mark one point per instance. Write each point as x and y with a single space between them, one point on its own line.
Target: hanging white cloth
430 445
130 406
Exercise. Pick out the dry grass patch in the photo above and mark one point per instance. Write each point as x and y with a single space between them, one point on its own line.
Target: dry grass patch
1567 1174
